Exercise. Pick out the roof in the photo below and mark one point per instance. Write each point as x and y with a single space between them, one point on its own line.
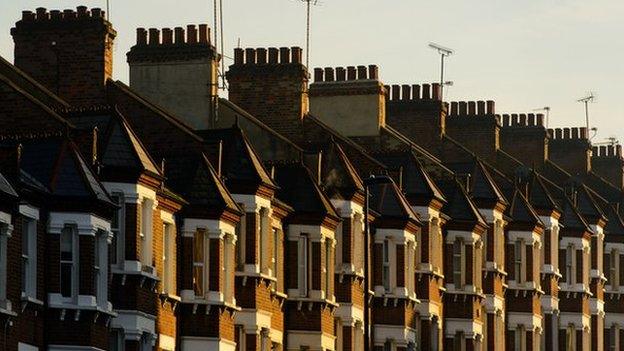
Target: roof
339 178
459 206
387 200
521 211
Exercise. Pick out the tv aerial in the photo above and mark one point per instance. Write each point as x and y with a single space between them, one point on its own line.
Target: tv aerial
444 52
589 98
309 4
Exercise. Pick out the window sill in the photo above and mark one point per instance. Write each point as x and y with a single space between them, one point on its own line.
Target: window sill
278 294
135 272
167 296
31 300
428 269
7 309
212 303
301 300
255 275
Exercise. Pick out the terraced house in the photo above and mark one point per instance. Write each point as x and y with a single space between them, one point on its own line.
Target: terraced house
311 210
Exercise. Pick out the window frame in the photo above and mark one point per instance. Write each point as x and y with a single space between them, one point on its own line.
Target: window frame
200 235
146 234
520 261
100 267
303 264
386 272
228 267
459 254
29 260
5 234
241 235
74 263
168 258
119 237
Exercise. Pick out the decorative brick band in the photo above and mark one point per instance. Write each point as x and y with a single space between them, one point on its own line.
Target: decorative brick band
522 120
251 56
339 74
607 151
568 133
472 108
413 92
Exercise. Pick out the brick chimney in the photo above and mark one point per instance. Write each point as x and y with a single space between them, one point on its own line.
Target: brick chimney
525 138
417 112
178 70
570 148
272 85
608 163
475 125
69 52
351 100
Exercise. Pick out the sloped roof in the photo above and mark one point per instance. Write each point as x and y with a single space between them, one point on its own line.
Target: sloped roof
459 206
387 200
539 194
521 211
6 188
339 177
483 186
586 203
571 218
240 164
298 189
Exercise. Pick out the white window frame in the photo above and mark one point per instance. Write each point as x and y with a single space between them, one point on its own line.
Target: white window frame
570 266
327 270
520 261
614 337
5 233
201 234
74 263
386 272
119 231
116 336
241 236
101 267
277 284
358 243
264 225
614 268
229 241
410 248
459 254
570 338
147 232
168 258
29 258
303 265
520 338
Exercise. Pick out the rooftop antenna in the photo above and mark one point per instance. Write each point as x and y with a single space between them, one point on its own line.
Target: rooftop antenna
444 52
309 4
108 10
586 100
547 110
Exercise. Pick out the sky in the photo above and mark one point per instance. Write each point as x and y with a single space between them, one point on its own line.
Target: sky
524 54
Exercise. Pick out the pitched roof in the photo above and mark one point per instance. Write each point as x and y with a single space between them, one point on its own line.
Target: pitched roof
459 206
387 200
339 178
539 194
521 211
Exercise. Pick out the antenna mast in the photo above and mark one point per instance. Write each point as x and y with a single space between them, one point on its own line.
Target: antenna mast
108 10
586 100
309 4
444 52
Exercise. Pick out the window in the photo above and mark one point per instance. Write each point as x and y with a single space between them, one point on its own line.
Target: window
264 240
571 338
302 265
338 342
520 338
277 284
328 271
519 259
411 263
117 227
146 210
69 262
228 268
459 341
614 337
620 267
435 334
240 337
116 340
358 244
613 278
4 235
459 254
388 345
569 262
100 268
386 265
168 258
241 229
499 243
146 342
434 237
199 255
29 257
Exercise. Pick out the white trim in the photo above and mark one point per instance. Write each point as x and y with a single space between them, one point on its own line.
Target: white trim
253 320
253 203
167 217
471 328
315 340
5 218
133 193
470 238
166 342
399 334
197 343
531 321
134 324
26 347
349 314
72 348
29 211
86 223
578 319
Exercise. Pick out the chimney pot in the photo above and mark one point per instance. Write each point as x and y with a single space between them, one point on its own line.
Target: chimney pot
284 55
82 11
506 121
69 14
523 120
540 120
426 91
575 133
481 108
515 120
56 15
603 151
154 36
436 92
531 119
42 13
558 133
250 56
351 73
490 107
297 54
239 55
204 36
472 108
618 151
96 12
179 37
387 92
611 150
566 133
329 74
595 151
454 108
167 36
26 15
583 133
396 92
416 91
341 74
373 72
261 56
361 72
463 108
191 32
273 55
406 92
141 36
318 74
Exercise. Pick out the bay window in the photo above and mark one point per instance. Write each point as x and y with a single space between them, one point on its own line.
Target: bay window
519 261
303 272
385 274
228 268
29 257
5 233
200 252
358 243
69 262
459 263
168 258
100 268
241 235
117 227
263 241
146 212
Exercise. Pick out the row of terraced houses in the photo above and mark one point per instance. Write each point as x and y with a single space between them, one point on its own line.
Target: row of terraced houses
158 216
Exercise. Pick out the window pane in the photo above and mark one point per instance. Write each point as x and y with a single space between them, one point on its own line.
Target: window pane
198 280
66 279
198 247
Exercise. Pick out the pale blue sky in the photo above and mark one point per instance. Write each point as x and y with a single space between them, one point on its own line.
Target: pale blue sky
524 54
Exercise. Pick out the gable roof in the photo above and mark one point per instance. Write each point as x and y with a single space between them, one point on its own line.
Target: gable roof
339 178
387 200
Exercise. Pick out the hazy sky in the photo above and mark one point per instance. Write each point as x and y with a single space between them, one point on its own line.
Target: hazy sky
525 54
